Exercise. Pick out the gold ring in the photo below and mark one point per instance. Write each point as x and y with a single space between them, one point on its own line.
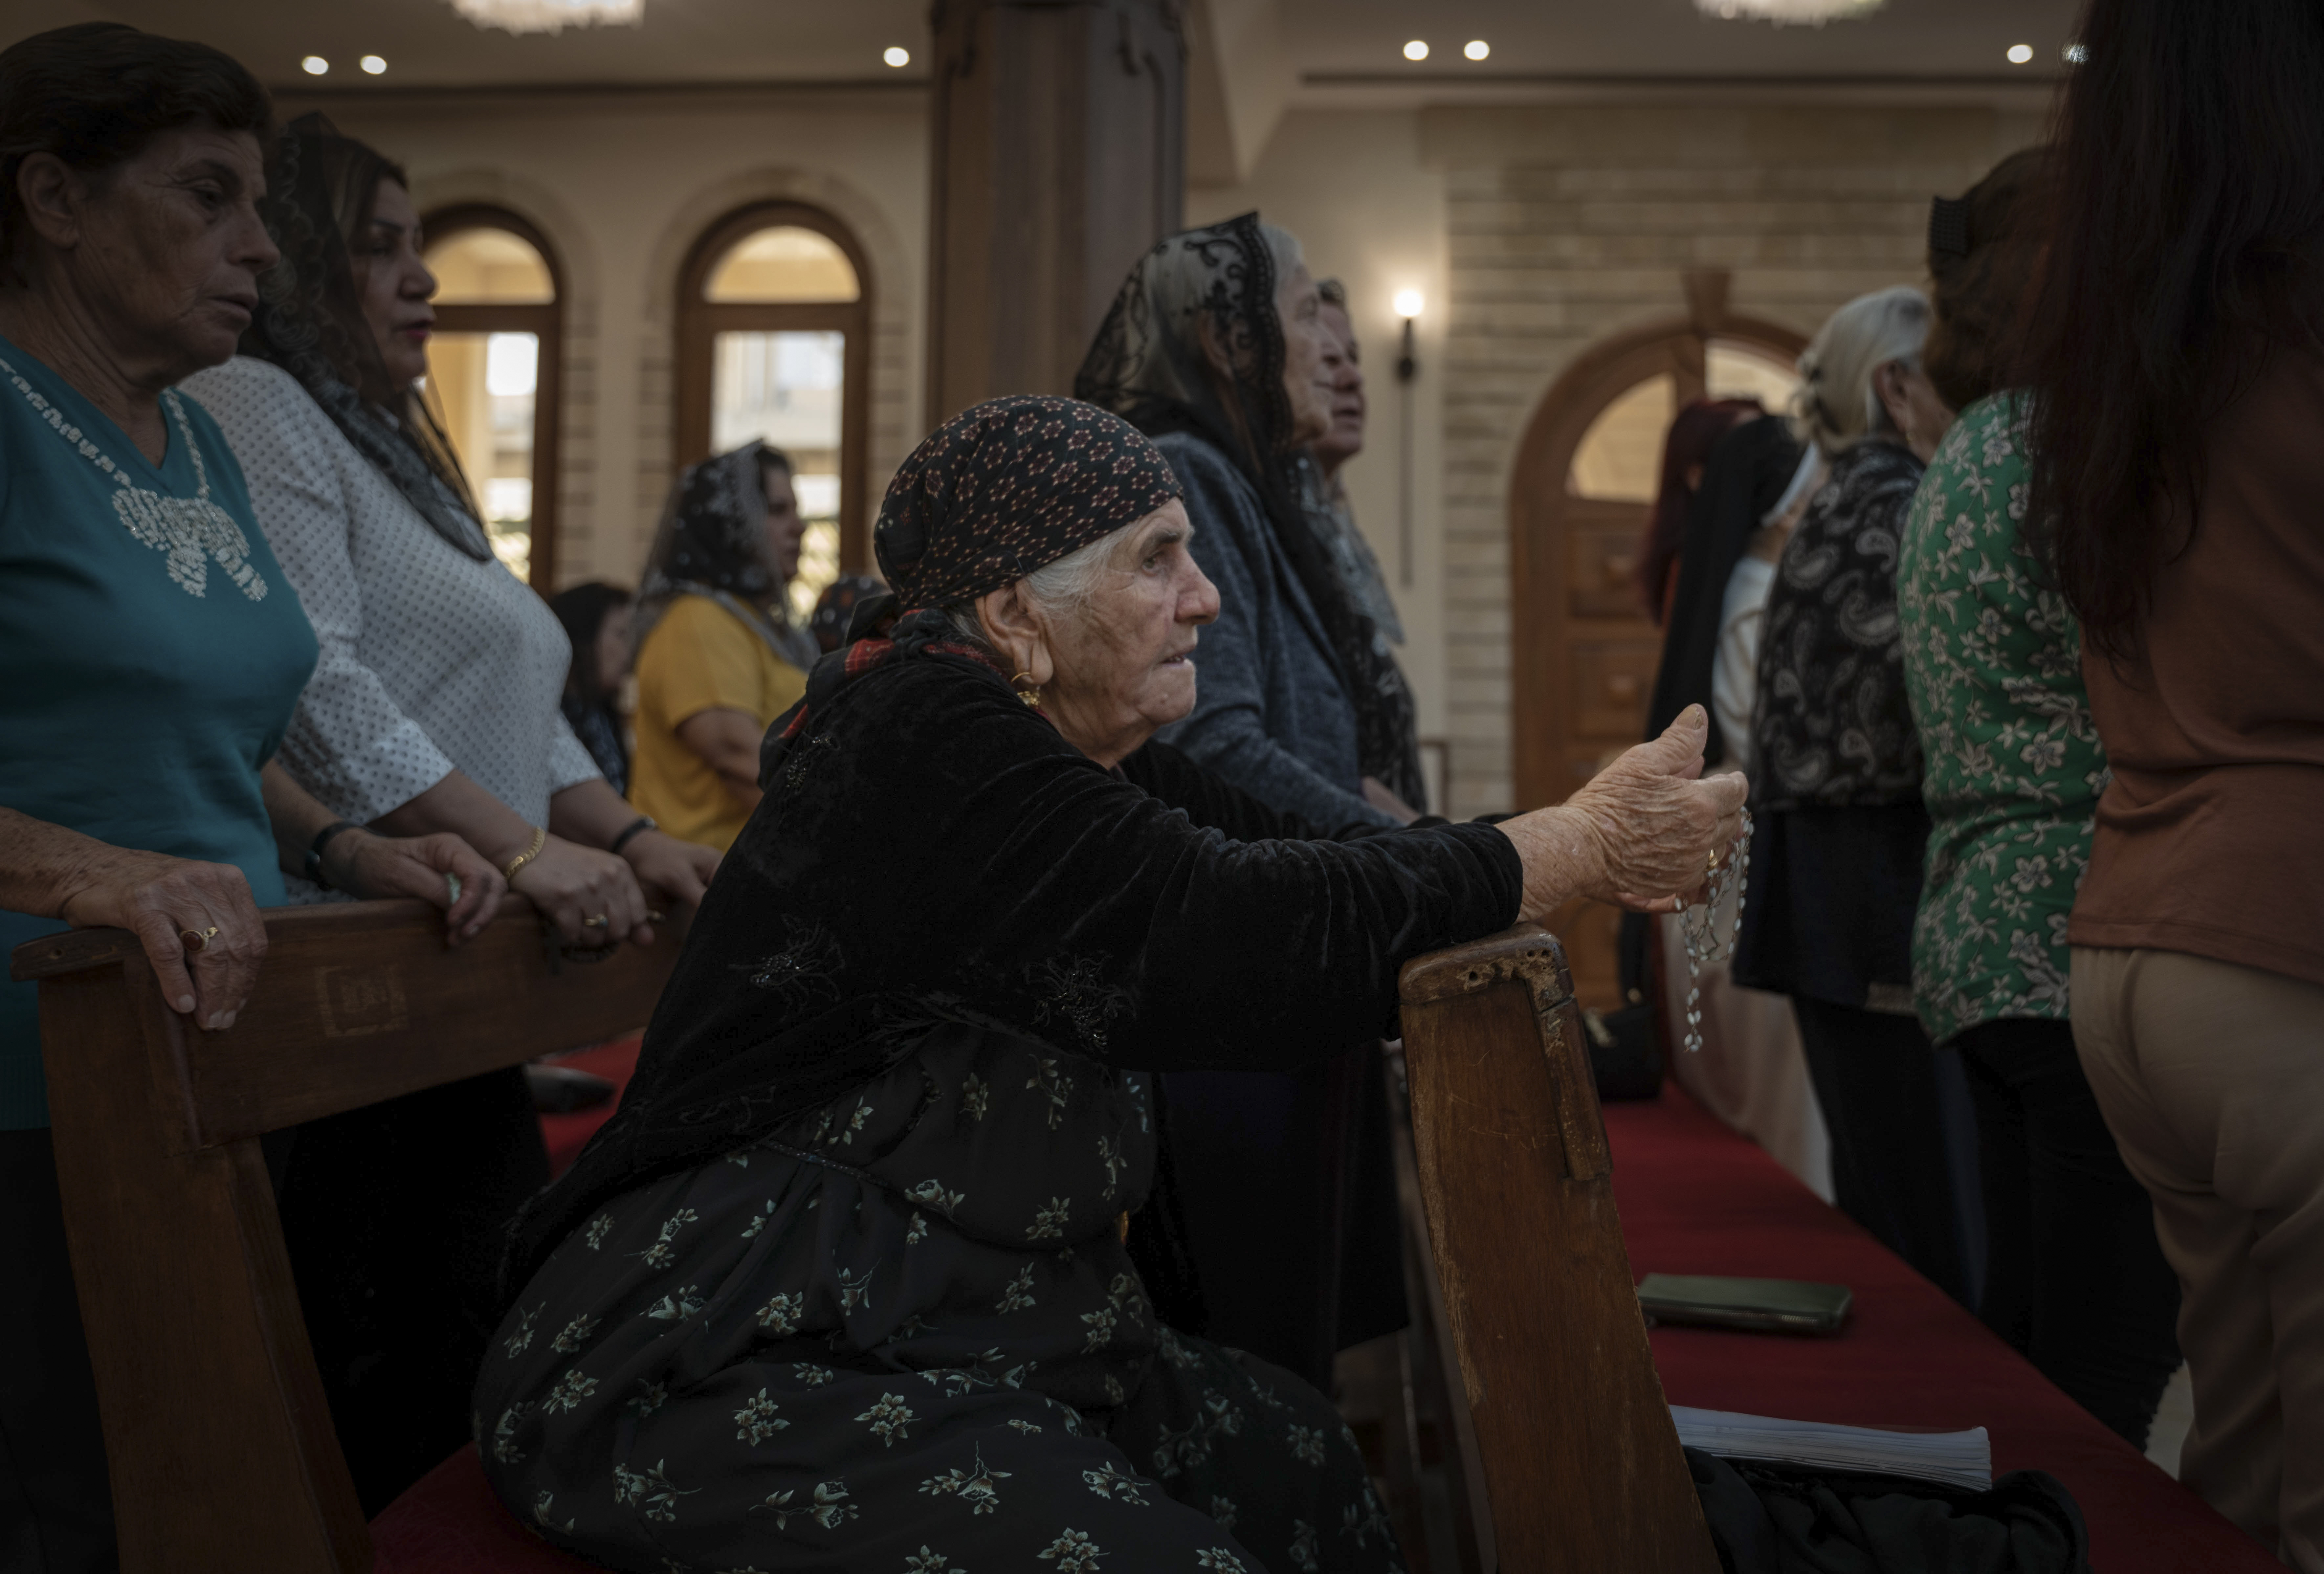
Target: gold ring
197 940
594 921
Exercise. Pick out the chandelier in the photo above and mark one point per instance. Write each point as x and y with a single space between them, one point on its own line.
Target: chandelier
1788 13
550 15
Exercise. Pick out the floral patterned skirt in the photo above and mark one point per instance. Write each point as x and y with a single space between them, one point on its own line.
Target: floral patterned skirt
906 1338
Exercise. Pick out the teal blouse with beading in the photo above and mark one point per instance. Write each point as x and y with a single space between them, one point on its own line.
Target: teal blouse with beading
151 651
2013 766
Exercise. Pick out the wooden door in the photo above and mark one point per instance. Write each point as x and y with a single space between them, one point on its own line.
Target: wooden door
1583 651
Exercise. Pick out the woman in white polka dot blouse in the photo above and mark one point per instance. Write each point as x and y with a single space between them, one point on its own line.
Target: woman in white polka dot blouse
434 706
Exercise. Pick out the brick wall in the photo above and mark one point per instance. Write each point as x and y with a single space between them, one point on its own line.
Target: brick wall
1567 223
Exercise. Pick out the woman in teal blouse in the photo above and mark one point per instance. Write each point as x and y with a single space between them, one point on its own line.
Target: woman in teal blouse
2011 772
152 649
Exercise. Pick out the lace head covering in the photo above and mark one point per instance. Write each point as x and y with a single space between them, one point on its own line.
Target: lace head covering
713 542
1194 344
309 322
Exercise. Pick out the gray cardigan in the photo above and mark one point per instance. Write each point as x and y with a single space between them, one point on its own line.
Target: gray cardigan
1272 714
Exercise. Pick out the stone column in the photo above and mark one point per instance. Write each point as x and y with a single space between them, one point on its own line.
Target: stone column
1058 156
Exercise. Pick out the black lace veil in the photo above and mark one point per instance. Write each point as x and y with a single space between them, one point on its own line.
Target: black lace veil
713 542
1193 344
309 322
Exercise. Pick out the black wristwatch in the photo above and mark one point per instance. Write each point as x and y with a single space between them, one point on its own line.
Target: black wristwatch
315 850
642 823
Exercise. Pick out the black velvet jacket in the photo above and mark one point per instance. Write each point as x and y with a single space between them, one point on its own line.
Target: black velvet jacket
932 855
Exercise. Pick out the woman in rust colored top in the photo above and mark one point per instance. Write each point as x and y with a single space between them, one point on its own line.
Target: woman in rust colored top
2180 482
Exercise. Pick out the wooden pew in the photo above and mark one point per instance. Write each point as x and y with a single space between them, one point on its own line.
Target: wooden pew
1582 1462
222 1451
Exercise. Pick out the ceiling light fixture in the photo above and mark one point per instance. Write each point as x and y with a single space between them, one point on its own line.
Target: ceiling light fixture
314 64
1788 13
1477 49
551 16
1417 50
373 65
2019 53
897 55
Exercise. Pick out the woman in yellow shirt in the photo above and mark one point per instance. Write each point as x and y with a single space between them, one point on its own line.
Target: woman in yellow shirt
719 658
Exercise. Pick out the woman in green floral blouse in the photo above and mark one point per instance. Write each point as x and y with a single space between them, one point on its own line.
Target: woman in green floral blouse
2013 769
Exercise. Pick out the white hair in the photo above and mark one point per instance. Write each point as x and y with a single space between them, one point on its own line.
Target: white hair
1839 405
1066 585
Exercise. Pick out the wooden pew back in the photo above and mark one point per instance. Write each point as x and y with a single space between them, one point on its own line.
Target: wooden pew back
220 1442
1582 1461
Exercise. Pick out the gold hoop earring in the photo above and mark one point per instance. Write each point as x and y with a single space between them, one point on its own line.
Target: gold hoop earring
1031 696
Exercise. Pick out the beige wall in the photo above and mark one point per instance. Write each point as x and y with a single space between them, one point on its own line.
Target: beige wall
1568 223
622 186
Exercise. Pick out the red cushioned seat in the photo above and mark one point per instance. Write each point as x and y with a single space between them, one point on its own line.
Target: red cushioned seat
449 1522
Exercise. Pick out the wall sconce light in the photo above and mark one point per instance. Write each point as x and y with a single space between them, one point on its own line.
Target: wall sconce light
1408 304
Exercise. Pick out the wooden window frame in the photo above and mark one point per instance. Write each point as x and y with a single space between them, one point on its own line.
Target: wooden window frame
546 323
700 322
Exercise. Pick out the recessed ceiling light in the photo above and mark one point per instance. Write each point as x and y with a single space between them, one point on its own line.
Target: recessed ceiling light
373 65
897 55
2019 53
1417 50
1477 49
314 64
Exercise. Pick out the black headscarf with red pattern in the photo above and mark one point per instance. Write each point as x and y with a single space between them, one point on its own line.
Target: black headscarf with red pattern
1008 487
1001 491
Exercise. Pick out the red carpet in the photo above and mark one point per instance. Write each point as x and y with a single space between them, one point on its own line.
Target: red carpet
567 1134
1696 1198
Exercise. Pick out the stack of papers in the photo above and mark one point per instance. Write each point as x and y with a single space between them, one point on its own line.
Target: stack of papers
1956 1459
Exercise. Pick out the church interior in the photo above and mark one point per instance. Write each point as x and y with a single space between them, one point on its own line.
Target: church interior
662 233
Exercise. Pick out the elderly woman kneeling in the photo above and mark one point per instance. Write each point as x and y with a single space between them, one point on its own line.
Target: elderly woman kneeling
843 1286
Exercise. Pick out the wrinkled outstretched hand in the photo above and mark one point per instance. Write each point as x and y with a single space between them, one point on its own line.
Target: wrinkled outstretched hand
1639 834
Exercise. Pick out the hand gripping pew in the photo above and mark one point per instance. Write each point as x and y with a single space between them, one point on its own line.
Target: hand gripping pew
222 1452
1582 1462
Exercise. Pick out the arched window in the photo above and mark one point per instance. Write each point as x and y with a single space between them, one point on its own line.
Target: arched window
493 366
774 342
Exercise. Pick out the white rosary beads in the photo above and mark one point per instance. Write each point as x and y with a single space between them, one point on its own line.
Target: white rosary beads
1700 926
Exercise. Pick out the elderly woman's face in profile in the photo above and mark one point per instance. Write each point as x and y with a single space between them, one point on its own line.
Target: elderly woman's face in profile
1123 659
1309 356
166 249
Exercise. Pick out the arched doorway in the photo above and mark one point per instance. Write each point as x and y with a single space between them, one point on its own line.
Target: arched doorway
494 366
774 342
1582 650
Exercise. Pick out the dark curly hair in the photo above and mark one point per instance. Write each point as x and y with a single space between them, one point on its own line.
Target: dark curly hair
1981 297
322 189
95 93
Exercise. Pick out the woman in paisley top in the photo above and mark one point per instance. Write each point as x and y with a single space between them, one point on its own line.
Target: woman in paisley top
2011 769
1836 799
844 1285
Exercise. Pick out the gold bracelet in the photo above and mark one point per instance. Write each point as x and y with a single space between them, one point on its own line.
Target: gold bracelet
539 841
